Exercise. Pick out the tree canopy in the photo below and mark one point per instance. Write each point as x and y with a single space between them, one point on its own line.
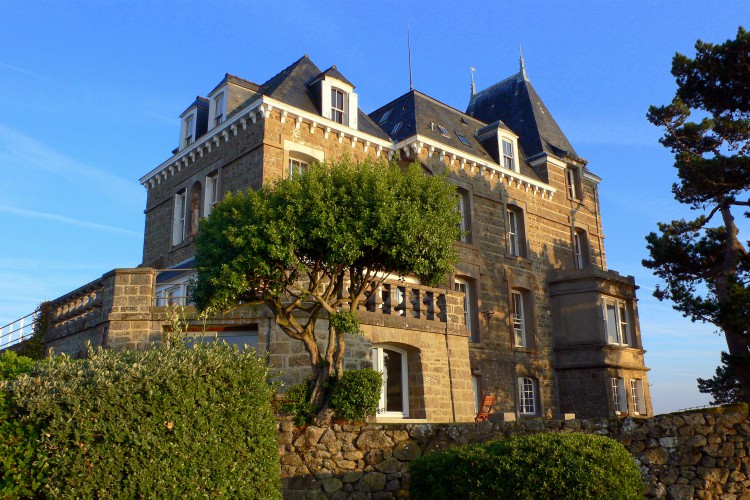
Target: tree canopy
723 386
703 263
315 246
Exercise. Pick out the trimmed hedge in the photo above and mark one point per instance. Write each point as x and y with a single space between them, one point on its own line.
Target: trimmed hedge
356 394
165 422
573 465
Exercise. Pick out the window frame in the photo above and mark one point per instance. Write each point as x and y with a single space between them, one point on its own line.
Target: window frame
508 154
528 392
297 166
444 131
219 109
621 328
385 117
397 127
619 395
516 231
581 257
637 398
463 139
189 137
378 364
470 304
464 208
211 193
179 228
518 318
338 115
574 184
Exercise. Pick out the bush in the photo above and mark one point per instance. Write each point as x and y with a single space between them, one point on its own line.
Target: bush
164 422
356 394
530 467
297 403
19 441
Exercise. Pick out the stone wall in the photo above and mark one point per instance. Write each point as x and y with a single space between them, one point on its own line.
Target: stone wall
680 456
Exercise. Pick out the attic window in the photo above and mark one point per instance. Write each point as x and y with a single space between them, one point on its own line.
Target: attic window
463 139
443 132
463 120
396 127
385 116
337 106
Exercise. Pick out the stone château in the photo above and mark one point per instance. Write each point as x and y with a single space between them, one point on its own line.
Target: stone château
531 315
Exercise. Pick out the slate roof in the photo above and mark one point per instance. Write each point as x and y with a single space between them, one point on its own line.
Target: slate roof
516 103
290 86
334 72
417 111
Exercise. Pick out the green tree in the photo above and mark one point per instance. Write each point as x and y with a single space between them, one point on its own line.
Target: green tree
315 246
723 386
703 262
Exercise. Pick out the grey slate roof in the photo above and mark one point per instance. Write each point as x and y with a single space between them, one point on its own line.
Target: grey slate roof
515 102
290 86
334 72
416 111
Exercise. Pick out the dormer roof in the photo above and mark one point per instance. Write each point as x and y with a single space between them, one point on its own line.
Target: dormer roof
236 80
333 72
200 102
516 102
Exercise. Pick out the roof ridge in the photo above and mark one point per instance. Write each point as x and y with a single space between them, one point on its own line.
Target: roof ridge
230 75
290 67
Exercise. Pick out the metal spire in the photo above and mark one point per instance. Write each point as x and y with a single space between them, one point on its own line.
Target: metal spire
473 87
523 66
408 43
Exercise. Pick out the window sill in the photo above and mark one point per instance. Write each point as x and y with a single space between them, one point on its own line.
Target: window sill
467 244
518 258
526 350
187 241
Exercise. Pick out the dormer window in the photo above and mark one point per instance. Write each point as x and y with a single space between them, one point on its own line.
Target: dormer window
338 110
219 109
508 154
573 178
385 116
189 130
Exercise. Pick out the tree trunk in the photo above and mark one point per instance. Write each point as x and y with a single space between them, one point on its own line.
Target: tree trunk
740 360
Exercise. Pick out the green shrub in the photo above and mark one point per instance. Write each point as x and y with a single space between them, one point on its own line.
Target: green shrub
19 441
537 466
355 395
297 403
164 422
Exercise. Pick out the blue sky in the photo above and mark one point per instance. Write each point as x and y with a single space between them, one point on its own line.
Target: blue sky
90 94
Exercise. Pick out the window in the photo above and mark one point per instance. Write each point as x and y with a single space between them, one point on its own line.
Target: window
219 109
516 233
476 387
297 167
619 398
173 295
617 320
527 396
508 155
581 249
443 132
189 130
463 139
636 396
385 116
466 286
247 336
396 127
464 210
519 318
394 395
573 178
178 222
337 106
212 193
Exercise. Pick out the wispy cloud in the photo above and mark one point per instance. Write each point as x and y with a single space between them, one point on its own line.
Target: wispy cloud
22 152
67 220
23 71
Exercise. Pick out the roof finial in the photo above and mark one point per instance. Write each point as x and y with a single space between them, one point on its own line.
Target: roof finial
523 66
473 87
408 44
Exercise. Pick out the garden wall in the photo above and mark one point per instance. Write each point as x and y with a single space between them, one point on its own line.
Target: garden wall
685 456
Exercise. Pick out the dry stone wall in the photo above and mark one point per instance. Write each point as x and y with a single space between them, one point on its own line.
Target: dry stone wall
680 456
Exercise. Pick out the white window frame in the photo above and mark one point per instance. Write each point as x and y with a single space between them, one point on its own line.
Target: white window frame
476 388
189 136
466 286
378 364
179 217
219 109
297 167
527 396
616 322
509 158
211 193
619 396
519 319
636 396
338 114
465 211
515 221
572 183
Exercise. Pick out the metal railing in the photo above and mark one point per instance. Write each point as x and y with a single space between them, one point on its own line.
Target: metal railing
17 331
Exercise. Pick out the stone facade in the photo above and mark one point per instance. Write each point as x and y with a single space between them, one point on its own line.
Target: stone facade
543 326
680 456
